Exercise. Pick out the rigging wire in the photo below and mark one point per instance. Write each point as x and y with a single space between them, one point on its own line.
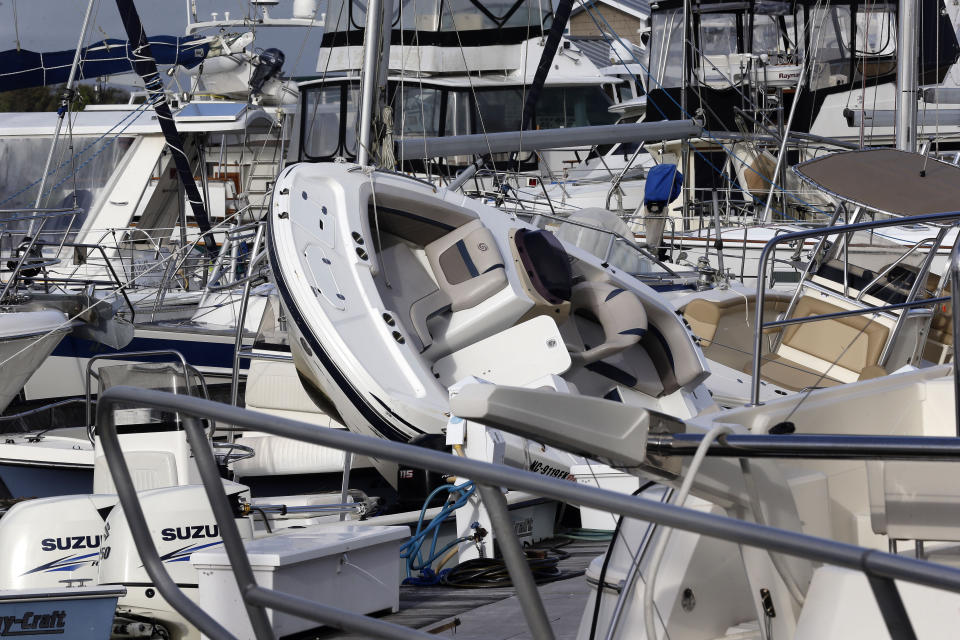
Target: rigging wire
708 134
16 25
473 90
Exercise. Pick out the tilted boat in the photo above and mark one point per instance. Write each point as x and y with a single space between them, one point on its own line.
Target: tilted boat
395 291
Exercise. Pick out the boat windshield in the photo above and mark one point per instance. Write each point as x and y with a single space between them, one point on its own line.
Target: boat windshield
875 33
719 35
82 182
329 122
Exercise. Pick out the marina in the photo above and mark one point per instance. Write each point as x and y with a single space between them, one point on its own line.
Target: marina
479 319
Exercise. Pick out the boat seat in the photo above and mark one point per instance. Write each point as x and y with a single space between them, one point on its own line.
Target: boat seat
148 469
284 456
619 312
468 268
807 350
725 326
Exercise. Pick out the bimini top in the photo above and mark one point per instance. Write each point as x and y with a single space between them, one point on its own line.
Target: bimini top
887 180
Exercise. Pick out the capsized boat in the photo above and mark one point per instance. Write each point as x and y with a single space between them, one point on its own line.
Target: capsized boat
395 291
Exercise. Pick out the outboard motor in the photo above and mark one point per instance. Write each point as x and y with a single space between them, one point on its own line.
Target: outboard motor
181 522
663 186
269 63
53 542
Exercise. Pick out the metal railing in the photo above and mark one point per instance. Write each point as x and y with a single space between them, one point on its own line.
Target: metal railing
134 356
114 282
35 411
32 238
770 247
881 568
238 351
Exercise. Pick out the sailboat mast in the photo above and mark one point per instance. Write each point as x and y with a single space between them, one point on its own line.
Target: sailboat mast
376 52
906 126
145 65
685 113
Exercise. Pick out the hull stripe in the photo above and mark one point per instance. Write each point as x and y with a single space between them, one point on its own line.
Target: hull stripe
377 422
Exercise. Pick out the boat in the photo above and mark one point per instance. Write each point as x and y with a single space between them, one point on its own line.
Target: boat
882 303
396 291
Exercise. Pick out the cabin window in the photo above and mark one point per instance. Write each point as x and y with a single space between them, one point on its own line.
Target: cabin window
572 107
416 110
457 117
666 49
329 120
21 160
499 109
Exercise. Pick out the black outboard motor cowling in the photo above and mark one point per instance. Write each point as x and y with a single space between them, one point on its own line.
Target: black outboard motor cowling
269 63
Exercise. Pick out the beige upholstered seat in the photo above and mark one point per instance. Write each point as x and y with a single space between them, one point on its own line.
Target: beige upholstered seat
467 264
854 343
468 268
620 314
725 326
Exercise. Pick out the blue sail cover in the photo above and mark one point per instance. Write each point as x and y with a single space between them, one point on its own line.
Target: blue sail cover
663 185
21 69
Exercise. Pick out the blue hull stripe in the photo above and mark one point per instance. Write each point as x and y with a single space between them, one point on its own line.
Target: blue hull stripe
370 414
197 353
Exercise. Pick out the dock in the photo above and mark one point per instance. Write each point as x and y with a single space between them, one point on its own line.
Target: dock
495 613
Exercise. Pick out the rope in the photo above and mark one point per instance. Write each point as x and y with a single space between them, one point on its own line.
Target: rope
412 549
491 573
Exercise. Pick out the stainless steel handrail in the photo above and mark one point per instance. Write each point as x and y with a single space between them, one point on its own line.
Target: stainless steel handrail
242 318
954 289
881 568
771 245
33 237
890 267
120 286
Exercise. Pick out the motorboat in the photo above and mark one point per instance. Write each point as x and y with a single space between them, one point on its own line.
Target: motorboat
396 291
881 305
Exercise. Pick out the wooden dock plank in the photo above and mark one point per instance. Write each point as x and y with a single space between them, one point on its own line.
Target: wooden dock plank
495 613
